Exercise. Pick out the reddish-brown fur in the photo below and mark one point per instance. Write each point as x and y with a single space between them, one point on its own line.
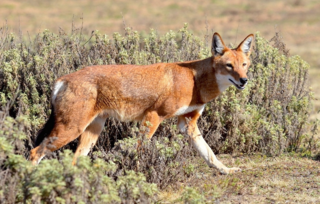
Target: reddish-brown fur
151 93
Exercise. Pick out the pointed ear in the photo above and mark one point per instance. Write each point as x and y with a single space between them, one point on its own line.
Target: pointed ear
218 45
246 45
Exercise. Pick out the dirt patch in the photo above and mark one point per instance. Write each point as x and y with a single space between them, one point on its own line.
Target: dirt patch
285 179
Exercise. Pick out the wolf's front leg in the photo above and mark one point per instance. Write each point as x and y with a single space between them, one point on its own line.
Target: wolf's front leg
200 144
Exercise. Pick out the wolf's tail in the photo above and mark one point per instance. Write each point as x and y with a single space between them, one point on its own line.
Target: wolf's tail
46 129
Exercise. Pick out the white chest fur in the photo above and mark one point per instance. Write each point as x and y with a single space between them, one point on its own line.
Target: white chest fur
187 109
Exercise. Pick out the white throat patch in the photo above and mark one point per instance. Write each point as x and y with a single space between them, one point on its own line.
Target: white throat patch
223 81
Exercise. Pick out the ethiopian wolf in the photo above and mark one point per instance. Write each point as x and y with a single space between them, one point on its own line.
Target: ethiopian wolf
82 101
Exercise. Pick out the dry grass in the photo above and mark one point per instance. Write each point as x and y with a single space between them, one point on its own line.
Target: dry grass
285 179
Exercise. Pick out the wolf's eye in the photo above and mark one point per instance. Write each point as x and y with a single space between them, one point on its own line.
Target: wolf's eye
229 65
244 64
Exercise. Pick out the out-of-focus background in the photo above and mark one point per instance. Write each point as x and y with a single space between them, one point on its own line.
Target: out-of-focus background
298 21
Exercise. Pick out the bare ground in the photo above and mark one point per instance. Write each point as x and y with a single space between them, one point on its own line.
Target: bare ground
283 179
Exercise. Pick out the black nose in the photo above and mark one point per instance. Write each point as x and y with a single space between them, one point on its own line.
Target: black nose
243 80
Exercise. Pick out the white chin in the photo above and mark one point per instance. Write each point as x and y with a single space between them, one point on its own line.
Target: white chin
239 87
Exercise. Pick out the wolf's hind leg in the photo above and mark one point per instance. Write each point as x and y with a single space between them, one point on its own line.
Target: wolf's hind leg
89 137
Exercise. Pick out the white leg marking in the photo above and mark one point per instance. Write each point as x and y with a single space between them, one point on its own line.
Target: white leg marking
182 125
207 154
39 160
58 85
202 109
96 125
205 151
202 147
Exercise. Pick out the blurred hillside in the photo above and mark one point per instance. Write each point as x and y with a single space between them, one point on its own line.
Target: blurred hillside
298 21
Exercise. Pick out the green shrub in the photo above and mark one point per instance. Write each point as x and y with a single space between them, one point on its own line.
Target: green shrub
54 181
191 196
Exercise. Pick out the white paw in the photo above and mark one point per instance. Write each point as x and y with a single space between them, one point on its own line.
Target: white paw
230 170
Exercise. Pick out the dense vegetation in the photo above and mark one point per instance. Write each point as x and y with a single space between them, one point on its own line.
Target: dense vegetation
270 116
